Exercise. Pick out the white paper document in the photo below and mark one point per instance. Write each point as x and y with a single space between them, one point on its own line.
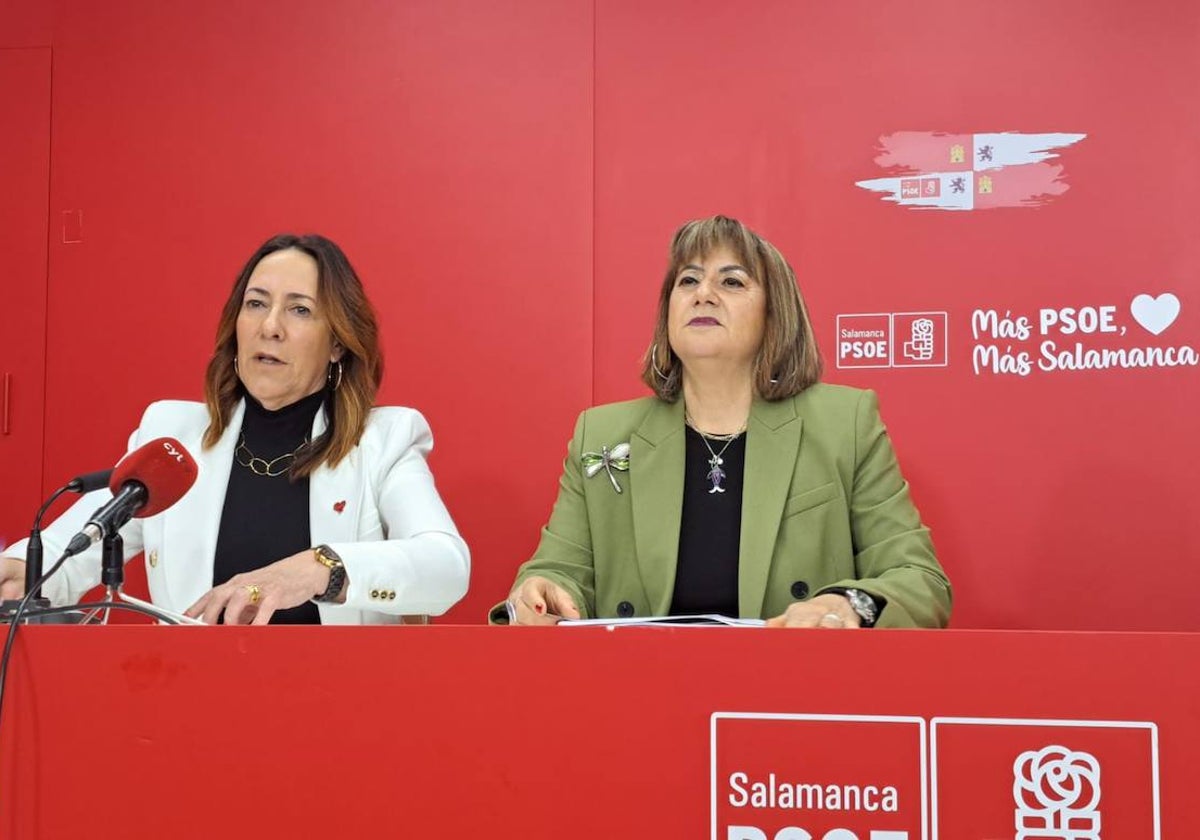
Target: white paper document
179 618
666 620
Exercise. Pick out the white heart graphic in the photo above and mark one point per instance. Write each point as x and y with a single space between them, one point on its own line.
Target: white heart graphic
1155 314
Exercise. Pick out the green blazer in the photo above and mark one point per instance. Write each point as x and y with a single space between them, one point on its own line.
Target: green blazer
824 505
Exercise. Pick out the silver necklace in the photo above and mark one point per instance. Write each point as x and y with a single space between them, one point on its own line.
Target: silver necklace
715 474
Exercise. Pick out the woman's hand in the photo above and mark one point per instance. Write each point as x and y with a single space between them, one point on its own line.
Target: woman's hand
832 611
540 601
12 578
253 597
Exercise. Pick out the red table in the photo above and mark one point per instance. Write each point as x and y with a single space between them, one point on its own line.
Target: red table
558 733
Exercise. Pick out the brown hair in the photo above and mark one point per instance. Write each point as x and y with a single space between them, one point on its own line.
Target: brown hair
788 360
349 396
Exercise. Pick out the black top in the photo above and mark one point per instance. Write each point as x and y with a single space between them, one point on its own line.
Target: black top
706 577
265 518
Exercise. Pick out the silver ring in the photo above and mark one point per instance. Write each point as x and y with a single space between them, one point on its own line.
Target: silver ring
834 616
511 609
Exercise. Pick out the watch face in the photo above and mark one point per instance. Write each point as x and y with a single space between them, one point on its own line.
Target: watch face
326 559
863 604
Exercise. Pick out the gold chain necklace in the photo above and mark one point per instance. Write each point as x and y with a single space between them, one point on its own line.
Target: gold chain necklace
261 466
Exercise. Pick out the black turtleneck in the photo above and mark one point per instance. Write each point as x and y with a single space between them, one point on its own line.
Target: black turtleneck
265 518
706 576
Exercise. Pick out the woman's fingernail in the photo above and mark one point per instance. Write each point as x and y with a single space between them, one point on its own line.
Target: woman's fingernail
539 609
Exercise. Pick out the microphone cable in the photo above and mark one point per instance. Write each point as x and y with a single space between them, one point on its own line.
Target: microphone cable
17 615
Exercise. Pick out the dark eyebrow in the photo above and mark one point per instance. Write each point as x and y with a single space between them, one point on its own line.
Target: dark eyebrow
289 295
723 269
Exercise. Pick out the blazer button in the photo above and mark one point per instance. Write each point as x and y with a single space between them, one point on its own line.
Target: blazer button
375 594
799 590
153 558
391 595
625 609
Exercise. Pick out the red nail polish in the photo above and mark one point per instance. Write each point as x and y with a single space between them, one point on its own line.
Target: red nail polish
539 609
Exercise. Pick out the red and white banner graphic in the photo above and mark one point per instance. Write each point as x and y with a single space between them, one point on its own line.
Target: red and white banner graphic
875 777
939 171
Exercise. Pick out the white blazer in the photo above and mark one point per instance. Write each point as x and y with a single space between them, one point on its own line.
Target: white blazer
378 509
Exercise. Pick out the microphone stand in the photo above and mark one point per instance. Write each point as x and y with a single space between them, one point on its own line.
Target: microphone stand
112 562
112 566
33 573
33 566
112 576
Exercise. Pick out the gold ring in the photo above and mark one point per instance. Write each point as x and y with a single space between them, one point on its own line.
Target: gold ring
255 593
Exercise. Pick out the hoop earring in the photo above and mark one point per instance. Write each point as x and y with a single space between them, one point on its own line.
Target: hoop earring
772 378
775 374
654 364
235 367
329 375
788 371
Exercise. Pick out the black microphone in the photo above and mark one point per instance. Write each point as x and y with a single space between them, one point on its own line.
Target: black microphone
146 481
88 482
85 483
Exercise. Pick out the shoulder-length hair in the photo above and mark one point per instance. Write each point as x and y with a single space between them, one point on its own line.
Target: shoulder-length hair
788 360
349 393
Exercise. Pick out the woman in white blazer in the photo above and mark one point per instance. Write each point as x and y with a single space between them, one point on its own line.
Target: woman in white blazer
311 505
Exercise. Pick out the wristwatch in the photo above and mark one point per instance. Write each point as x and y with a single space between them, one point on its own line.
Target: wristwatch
328 558
864 605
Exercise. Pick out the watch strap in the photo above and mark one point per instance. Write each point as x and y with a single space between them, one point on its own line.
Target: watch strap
328 558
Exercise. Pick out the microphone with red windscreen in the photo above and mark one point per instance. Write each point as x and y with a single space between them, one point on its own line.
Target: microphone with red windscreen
147 481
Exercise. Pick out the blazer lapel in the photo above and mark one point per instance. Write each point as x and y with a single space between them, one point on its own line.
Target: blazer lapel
190 526
335 496
656 494
772 442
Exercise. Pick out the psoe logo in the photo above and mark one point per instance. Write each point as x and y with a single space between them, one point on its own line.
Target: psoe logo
1057 793
1041 779
892 339
933 170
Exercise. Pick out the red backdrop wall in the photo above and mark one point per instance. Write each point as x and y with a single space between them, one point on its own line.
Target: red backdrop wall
506 178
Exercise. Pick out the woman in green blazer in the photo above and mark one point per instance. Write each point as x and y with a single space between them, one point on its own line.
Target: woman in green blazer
744 487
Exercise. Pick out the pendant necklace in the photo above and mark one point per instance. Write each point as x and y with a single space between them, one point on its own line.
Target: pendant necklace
715 474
